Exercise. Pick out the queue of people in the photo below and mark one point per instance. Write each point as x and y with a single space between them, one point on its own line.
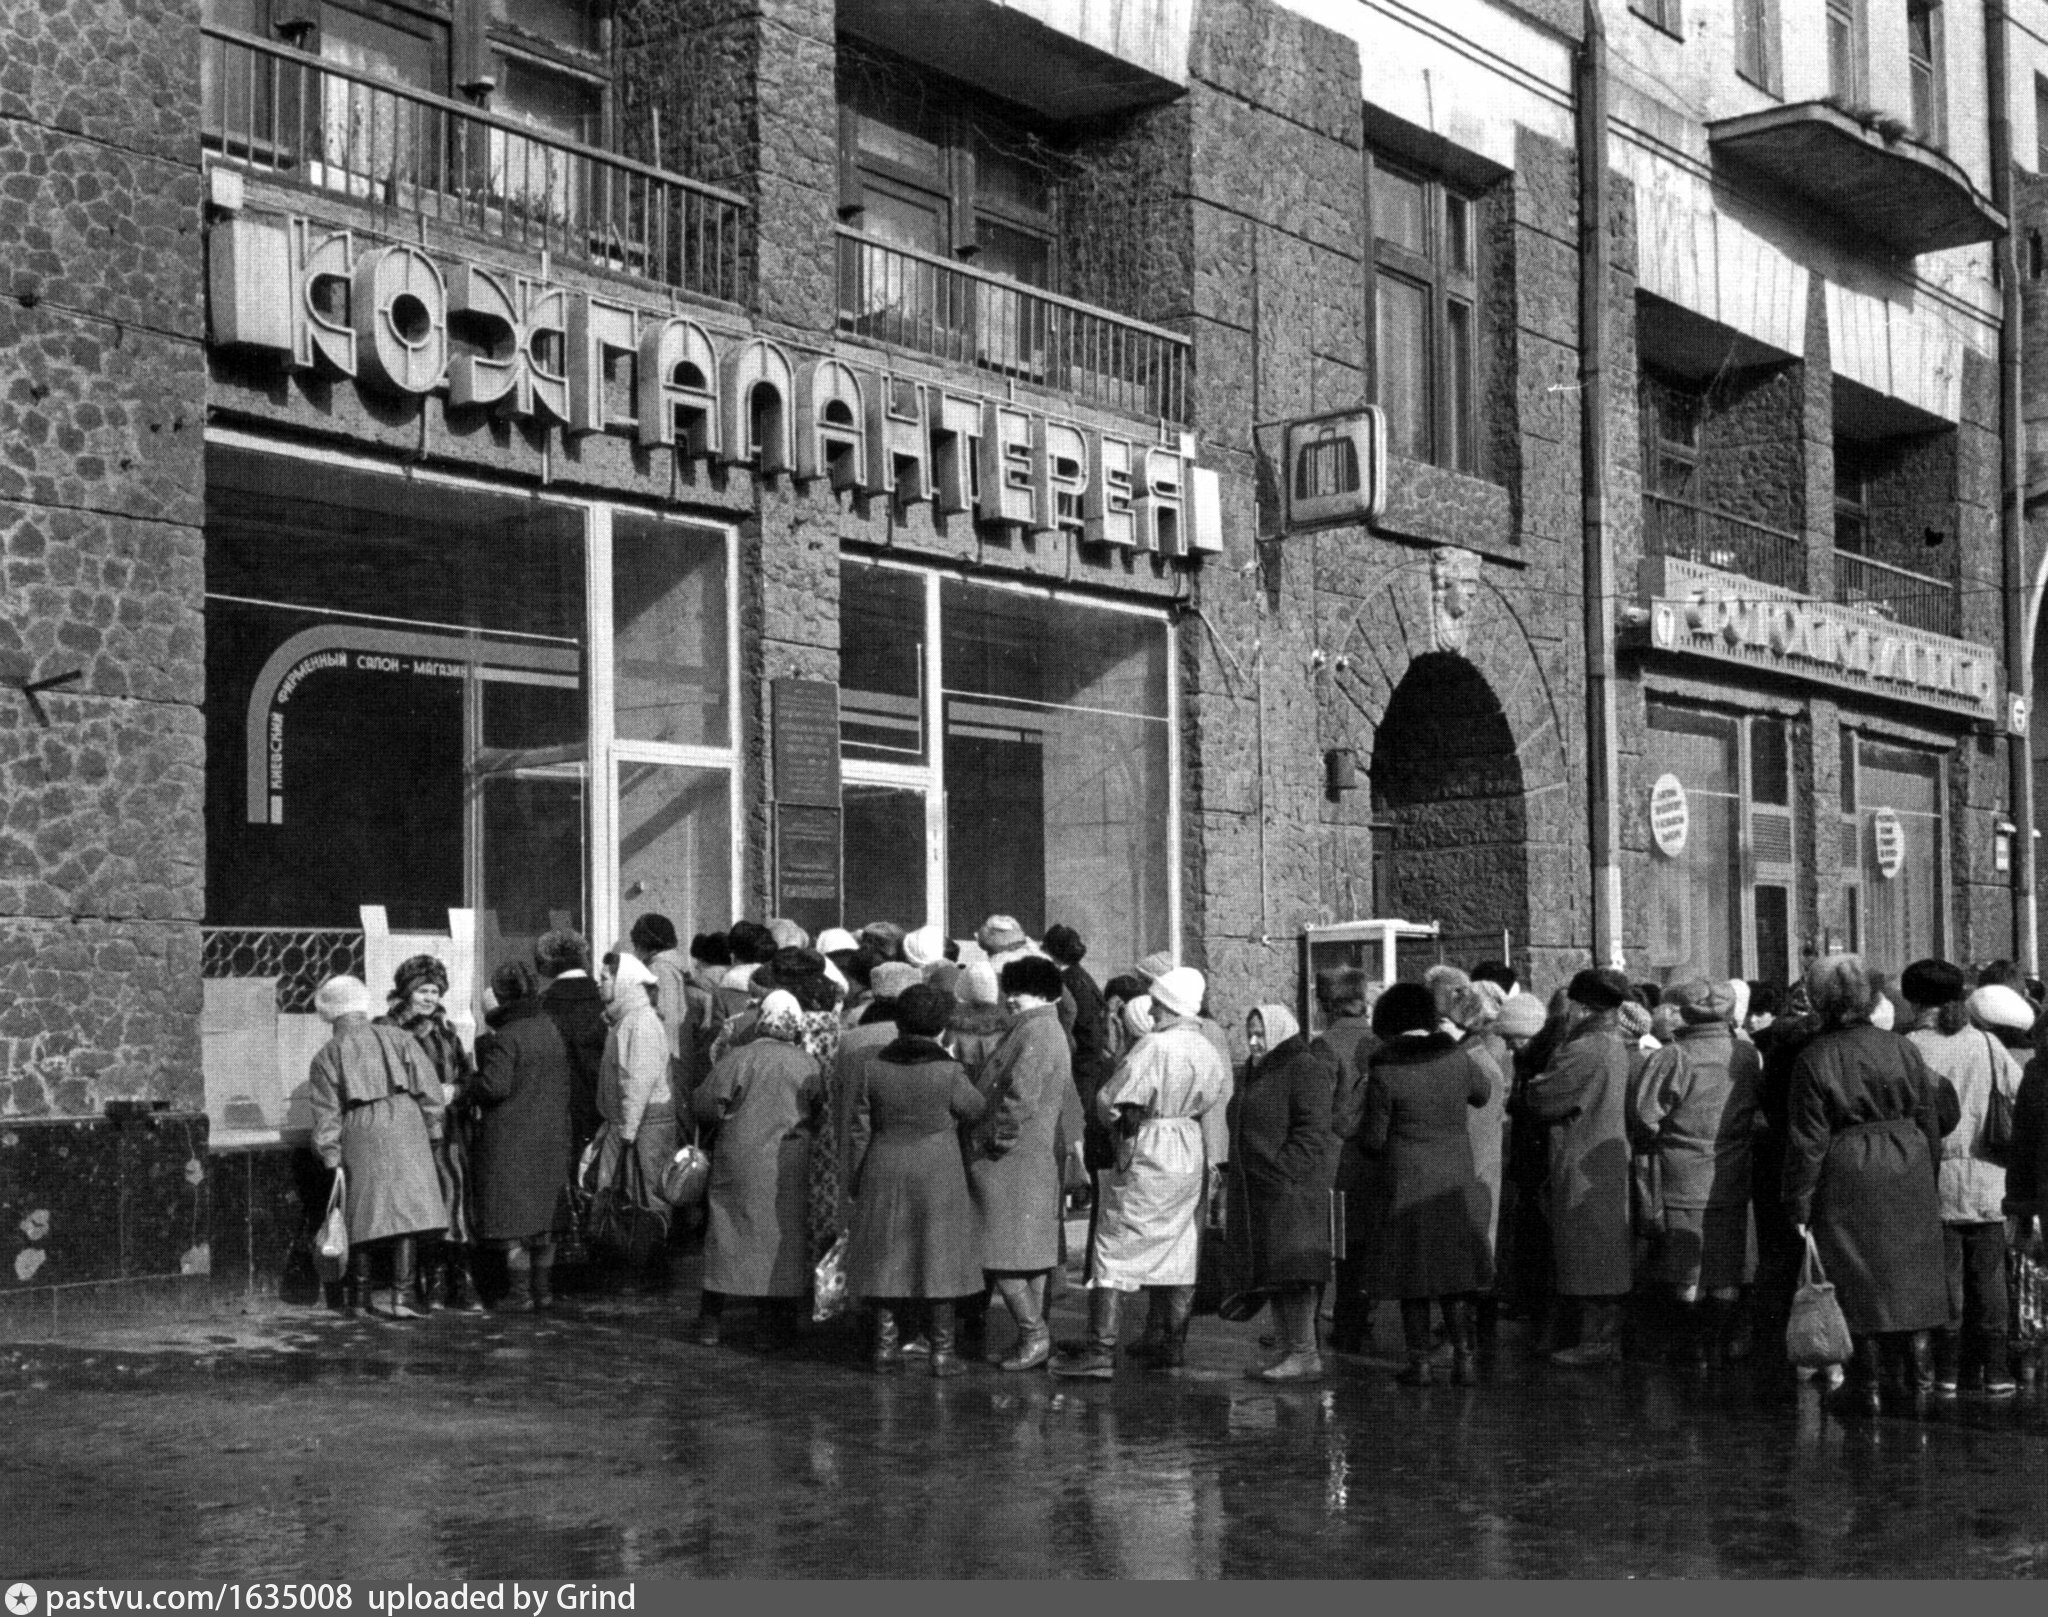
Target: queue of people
1626 1166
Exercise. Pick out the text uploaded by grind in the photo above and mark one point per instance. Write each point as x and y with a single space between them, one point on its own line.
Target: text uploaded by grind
525 1599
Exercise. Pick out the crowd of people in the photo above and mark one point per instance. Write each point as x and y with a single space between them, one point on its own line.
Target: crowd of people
1627 1167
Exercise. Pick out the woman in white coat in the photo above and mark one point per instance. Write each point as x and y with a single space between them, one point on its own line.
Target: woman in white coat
1165 1105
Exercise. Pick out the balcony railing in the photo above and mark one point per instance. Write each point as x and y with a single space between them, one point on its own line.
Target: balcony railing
315 123
1891 592
1688 532
934 306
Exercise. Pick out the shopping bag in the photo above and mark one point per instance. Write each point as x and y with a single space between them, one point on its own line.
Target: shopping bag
829 1295
620 1227
1816 1335
330 1246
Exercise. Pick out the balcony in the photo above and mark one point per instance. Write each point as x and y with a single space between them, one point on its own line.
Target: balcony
1894 594
306 122
934 306
1730 544
1870 174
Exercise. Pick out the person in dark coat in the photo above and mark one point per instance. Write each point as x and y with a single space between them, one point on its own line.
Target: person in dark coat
1347 1043
1865 1123
913 1232
1283 1164
1094 1053
1583 1093
1429 1234
572 997
767 1102
523 1154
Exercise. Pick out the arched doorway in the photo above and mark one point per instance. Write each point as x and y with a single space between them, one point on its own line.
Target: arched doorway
1450 824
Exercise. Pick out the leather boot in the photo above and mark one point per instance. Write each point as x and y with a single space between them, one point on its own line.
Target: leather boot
1863 1392
1919 1368
402 1255
1947 1349
519 1281
1180 1313
1096 1361
1998 1378
460 1291
543 1258
1150 1348
946 1360
1300 1361
1415 1335
888 1352
1034 1336
1600 1335
1464 1343
355 1288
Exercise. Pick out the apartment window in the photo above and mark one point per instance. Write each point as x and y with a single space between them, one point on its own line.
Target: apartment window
1847 76
1757 53
1923 68
1425 315
1665 14
1854 470
1893 852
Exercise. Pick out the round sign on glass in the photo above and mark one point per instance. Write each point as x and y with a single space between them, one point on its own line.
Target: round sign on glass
1890 833
1670 815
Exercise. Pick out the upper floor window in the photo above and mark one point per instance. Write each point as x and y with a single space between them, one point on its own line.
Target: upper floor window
1848 78
1855 468
1425 315
1664 13
1757 54
1923 68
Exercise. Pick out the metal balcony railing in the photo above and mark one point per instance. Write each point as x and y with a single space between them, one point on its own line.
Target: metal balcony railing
315 123
914 300
1696 533
1913 599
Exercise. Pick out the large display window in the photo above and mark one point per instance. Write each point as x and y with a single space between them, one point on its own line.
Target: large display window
1894 852
437 710
1007 750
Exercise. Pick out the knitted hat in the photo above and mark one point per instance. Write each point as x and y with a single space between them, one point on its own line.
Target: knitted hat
1000 933
1634 1019
1521 1017
1700 1002
924 946
1179 991
837 940
889 979
1995 1005
977 984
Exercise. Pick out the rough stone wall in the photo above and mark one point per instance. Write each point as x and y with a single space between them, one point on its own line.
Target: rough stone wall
1750 446
102 392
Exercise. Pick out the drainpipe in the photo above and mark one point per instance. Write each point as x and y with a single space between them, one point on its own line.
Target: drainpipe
1602 727
2012 530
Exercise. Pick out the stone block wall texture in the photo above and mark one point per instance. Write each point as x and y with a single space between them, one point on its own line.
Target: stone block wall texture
102 401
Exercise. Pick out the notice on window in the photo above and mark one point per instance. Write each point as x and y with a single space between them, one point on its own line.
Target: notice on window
807 866
1890 833
1670 815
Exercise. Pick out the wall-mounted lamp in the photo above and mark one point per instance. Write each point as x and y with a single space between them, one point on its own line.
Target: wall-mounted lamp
2002 833
1340 771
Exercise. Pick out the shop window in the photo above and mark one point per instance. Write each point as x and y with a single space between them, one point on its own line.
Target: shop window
1425 315
1924 68
1665 14
1848 54
1894 852
1017 758
1757 51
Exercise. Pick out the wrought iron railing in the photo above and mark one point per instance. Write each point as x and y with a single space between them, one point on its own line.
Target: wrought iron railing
1914 599
315 123
935 306
300 958
1697 533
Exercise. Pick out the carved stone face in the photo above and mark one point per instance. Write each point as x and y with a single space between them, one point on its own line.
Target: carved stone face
1454 590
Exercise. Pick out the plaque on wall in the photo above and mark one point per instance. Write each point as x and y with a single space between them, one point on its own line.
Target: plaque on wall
806 742
807 866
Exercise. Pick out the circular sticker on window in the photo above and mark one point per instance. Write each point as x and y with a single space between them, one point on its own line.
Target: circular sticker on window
1670 815
1891 841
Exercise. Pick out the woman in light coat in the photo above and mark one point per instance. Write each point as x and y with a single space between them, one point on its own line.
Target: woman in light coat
633 1092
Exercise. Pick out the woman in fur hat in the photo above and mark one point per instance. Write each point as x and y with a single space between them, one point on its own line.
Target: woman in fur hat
415 1005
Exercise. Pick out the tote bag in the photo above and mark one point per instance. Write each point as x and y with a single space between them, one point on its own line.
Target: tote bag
330 1246
1816 1335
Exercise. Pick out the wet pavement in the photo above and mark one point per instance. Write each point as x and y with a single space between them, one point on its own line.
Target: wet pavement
598 1443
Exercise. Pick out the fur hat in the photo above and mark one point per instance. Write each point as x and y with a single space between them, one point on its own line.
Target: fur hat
1600 989
1932 982
1001 933
417 969
656 932
1405 1008
1179 992
1700 1003
924 946
1031 974
1521 1017
923 1011
561 950
787 934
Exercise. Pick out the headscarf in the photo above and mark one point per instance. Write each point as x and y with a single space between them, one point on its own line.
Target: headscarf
1634 1019
925 945
1279 1023
1478 1005
781 1017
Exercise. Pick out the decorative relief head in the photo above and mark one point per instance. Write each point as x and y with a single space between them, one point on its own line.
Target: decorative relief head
1453 592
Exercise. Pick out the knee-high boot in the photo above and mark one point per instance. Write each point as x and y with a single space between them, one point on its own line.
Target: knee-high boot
355 1289
946 1360
1025 1298
1415 1334
403 1250
1097 1360
888 1354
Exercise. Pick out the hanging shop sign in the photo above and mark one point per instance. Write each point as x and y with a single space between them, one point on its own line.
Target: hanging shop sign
401 322
1890 834
1702 612
1670 815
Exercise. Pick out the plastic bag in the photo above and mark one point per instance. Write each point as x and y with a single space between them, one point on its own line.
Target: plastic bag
830 1297
1816 1335
330 1246
686 1178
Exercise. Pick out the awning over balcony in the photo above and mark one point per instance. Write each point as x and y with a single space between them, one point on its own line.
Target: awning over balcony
1906 195
1063 58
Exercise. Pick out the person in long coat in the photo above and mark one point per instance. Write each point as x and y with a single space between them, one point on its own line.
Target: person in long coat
1865 1124
1283 1165
1429 1236
415 1004
377 1108
913 1233
1166 1104
634 1095
1694 1113
766 1100
1013 1154
1583 1093
576 1002
1348 1043
522 1152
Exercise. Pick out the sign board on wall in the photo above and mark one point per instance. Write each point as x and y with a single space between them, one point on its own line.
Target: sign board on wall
807 855
1890 835
1336 468
805 727
1670 815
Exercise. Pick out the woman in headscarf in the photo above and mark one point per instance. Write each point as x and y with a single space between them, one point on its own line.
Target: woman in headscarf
1429 1240
913 1235
522 1154
766 1100
1865 1125
633 1093
1283 1164
377 1108
417 990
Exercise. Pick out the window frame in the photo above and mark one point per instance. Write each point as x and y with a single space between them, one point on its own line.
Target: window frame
1850 876
1930 122
1452 411
1759 45
1666 16
1849 15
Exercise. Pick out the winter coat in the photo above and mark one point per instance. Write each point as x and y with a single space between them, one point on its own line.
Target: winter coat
522 1155
377 1109
671 970
1013 1164
1972 1190
913 1231
2026 1174
1353 1044
767 1101
1583 1092
577 1005
1427 1237
1093 1061
1283 1165
1488 1124
632 1078
452 1065
1146 1230
1695 1111
975 1032
1864 1137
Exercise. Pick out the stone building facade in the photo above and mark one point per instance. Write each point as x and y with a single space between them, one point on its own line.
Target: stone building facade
549 462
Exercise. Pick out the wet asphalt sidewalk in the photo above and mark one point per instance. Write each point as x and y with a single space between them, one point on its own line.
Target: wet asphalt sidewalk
597 1442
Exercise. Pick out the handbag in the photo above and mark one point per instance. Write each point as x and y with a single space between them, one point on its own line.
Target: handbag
619 1226
829 1294
687 1177
330 1246
1994 1140
1816 1335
